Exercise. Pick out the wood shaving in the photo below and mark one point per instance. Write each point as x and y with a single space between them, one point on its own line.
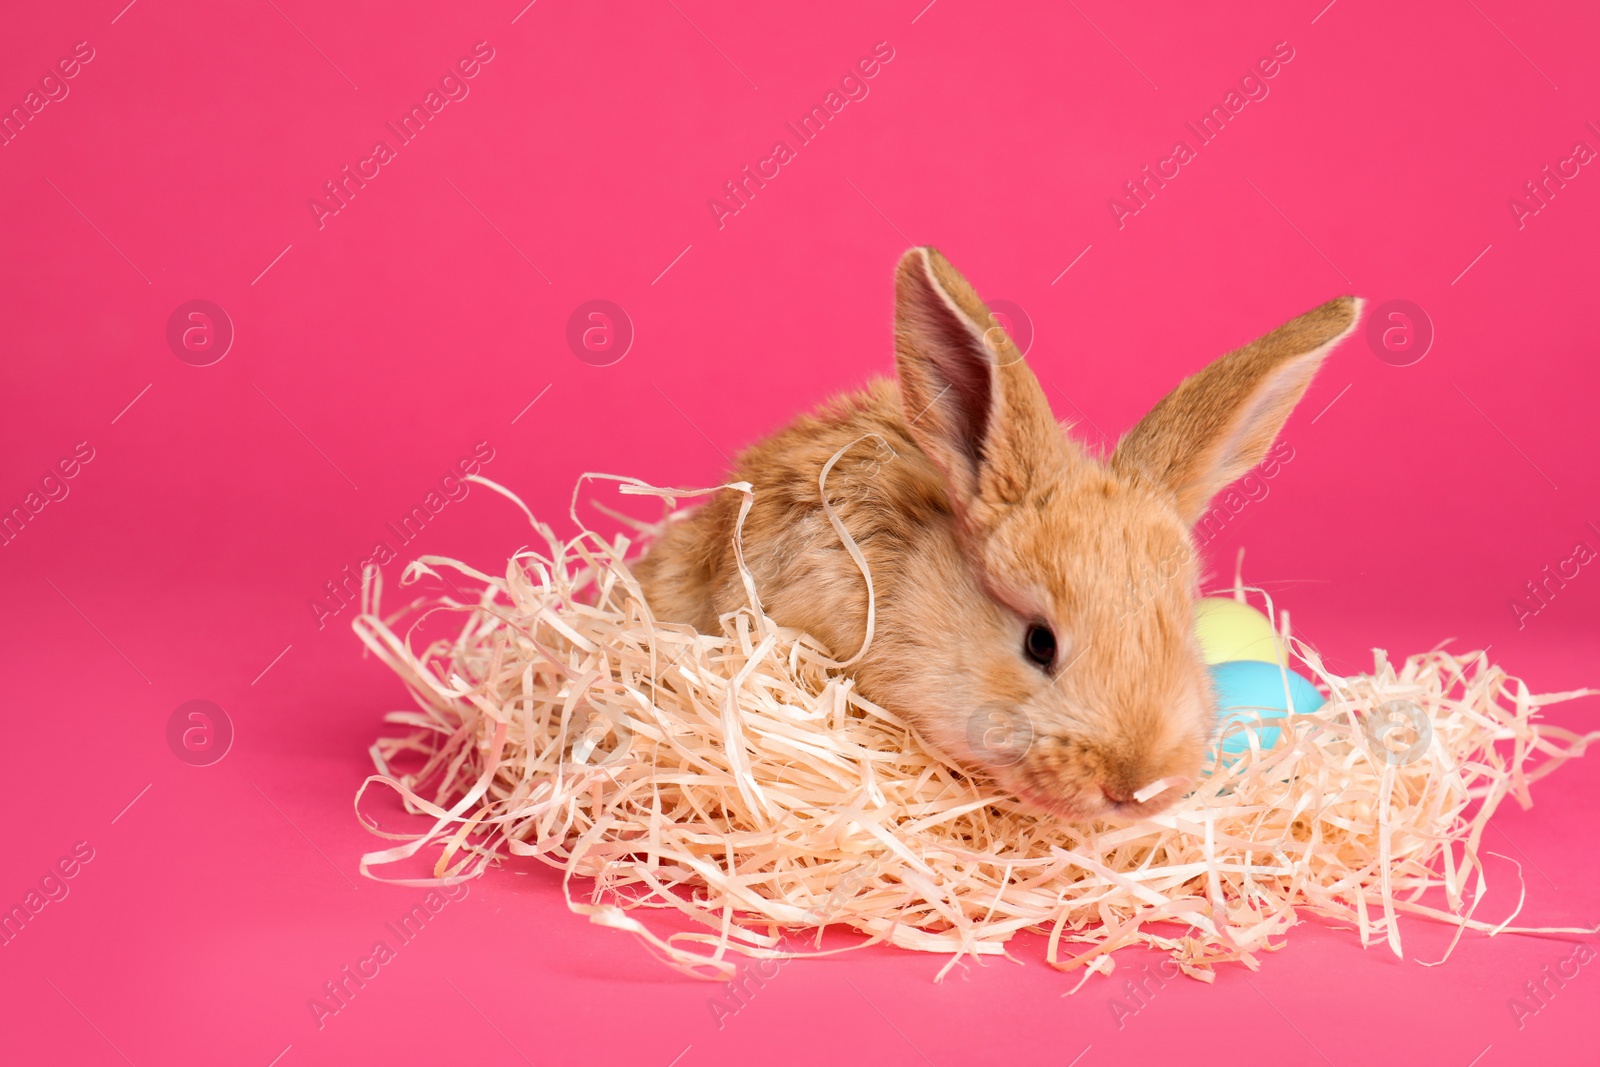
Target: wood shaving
740 781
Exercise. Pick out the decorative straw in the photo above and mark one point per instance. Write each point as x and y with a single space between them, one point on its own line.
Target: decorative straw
739 780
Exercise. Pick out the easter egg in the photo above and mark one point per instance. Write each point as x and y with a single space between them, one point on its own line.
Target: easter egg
1231 630
1251 691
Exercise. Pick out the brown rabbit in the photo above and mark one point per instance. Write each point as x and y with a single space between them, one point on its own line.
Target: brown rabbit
1033 604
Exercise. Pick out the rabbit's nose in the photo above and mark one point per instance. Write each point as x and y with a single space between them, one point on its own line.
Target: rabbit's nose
1115 795
1170 788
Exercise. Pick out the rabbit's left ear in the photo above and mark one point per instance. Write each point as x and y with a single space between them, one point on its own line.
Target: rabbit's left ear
1220 422
970 403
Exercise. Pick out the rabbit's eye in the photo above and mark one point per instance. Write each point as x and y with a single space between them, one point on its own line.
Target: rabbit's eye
1040 645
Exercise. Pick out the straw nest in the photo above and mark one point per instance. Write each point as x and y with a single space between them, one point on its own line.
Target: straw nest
739 780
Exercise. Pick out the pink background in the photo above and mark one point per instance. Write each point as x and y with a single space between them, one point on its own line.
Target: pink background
376 351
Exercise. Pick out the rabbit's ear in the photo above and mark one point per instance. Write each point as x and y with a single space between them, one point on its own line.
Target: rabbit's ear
1220 422
970 402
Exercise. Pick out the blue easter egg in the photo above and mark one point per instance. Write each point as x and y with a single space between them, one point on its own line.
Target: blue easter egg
1250 691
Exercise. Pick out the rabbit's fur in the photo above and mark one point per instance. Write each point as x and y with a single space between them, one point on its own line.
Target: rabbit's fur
978 518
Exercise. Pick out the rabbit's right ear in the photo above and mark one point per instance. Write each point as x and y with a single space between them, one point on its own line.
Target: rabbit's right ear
970 403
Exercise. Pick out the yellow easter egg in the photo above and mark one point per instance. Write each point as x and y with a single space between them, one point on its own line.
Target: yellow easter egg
1231 630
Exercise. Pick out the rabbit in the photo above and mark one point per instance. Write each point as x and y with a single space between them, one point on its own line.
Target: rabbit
1033 603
